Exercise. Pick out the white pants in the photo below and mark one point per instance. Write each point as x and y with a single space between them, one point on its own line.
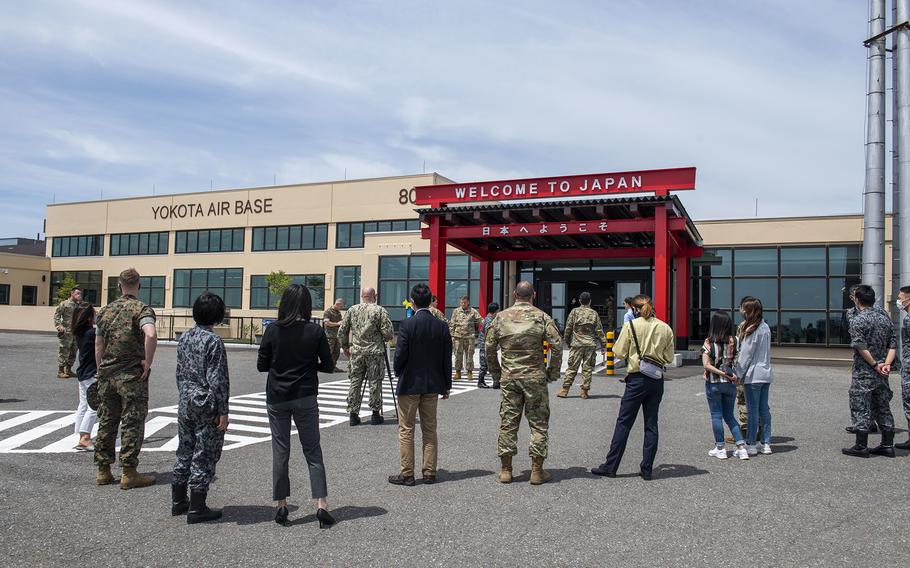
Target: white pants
85 416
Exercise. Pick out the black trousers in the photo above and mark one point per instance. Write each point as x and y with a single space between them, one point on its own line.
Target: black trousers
645 393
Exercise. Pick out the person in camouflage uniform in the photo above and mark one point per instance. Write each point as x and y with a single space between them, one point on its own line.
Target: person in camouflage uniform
520 332
463 327
365 331
903 304
874 348
331 321
63 322
203 387
437 313
125 345
492 309
583 331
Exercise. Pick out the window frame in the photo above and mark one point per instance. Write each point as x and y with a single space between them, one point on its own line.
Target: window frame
280 238
191 241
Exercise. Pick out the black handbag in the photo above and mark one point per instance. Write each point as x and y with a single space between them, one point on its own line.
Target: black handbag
92 396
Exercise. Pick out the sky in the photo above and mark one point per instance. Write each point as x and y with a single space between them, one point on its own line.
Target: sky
104 99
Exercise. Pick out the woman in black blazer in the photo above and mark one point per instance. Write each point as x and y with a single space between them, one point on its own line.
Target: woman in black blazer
292 351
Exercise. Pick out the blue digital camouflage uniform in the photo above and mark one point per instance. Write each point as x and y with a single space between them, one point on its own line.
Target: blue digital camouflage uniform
905 365
204 387
870 394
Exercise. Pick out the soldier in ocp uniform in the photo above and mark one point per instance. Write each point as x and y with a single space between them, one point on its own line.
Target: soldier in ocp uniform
434 309
520 332
874 348
364 331
463 327
126 342
583 332
331 321
63 322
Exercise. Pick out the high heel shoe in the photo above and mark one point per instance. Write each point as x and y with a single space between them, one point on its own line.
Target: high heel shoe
325 519
281 517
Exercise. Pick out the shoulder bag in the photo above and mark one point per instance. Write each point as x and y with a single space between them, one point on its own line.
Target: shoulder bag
648 367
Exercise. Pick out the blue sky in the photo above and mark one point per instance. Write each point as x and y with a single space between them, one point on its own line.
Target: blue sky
114 99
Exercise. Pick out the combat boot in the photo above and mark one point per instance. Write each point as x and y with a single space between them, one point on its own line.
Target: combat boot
376 419
355 419
104 475
539 475
584 393
199 512
69 372
179 504
132 479
470 374
563 393
61 372
457 375
496 382
861 448
505 472
886 448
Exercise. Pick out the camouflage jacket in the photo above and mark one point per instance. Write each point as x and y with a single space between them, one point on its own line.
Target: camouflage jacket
520 332
487 322
203 383
63 315
870 329
120 325
583 328
333 316
464 323
905 343
365 329
439 315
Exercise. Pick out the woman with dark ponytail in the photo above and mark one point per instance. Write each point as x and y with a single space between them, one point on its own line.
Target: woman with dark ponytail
83 327
647 344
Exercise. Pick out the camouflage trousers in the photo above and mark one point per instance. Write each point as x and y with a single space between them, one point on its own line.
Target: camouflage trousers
464 353
335 347
905 395
124 405
741 407
580 356
528 396
66 354
483 365
870 402
198 450
365 367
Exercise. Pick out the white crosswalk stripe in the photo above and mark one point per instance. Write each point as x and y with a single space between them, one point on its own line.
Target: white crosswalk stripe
52 431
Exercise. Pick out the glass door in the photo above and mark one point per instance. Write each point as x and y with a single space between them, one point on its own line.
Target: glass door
558 303
625 289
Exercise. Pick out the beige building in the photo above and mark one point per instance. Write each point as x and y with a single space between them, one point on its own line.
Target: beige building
336 237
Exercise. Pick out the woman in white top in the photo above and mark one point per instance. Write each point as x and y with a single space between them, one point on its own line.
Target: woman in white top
753 368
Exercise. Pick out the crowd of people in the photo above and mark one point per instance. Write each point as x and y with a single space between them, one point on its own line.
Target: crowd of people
116 360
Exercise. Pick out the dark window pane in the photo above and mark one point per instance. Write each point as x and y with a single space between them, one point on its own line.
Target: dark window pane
192 241
765 289
455 289
399 225
343 236
321 239
420 269
802 261
770 317
181 278
393 267
162 243
199 278
456 267
204 242
838 333
294 237
259 299
413 225
181 297
215 241
755 262
357 235
281 239
234 277
839 292
271 235
843 260
803 327
115 246
257 281
157 298
392 293
384 226
258 238
369 227
144 243
181 243
308 237
802 293
714 293
232 298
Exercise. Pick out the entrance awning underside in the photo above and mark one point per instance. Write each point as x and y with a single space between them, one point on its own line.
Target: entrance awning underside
615 227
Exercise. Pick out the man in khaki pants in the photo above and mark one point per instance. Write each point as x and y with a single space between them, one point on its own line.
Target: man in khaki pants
423 365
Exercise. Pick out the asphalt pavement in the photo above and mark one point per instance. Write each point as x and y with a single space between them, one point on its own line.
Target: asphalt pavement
805 505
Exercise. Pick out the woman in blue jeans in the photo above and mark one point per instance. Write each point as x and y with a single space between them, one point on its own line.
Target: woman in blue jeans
753 368
718 355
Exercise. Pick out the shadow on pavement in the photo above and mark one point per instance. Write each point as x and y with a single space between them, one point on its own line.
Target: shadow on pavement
781 439
444 476
341 514
557 475
669 470
783 448
2 400
252 514
593 396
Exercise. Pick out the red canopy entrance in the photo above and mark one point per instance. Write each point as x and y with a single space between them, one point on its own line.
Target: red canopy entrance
546 224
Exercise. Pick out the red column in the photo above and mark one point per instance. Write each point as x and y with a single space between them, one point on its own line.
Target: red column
486 285
661 264
438 262
682 301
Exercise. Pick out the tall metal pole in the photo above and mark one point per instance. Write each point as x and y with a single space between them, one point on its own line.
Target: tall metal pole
901 55
895 186
874 191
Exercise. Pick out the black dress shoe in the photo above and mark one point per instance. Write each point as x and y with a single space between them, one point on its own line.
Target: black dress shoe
429 479
482 384
602 471
355 419
399 479
646 475
903 446
376 419
325 519
281 516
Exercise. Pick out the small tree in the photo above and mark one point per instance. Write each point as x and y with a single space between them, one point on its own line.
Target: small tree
278 282
66 287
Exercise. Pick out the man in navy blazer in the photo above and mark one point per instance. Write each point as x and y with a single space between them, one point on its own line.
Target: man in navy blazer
423 365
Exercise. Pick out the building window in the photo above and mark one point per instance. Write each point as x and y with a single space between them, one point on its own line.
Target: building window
209 240
4 294
398 274
86 245
190 283
88 280
347 284
124 244
291 237
350 235
804 289
29 295
151 290
261 298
